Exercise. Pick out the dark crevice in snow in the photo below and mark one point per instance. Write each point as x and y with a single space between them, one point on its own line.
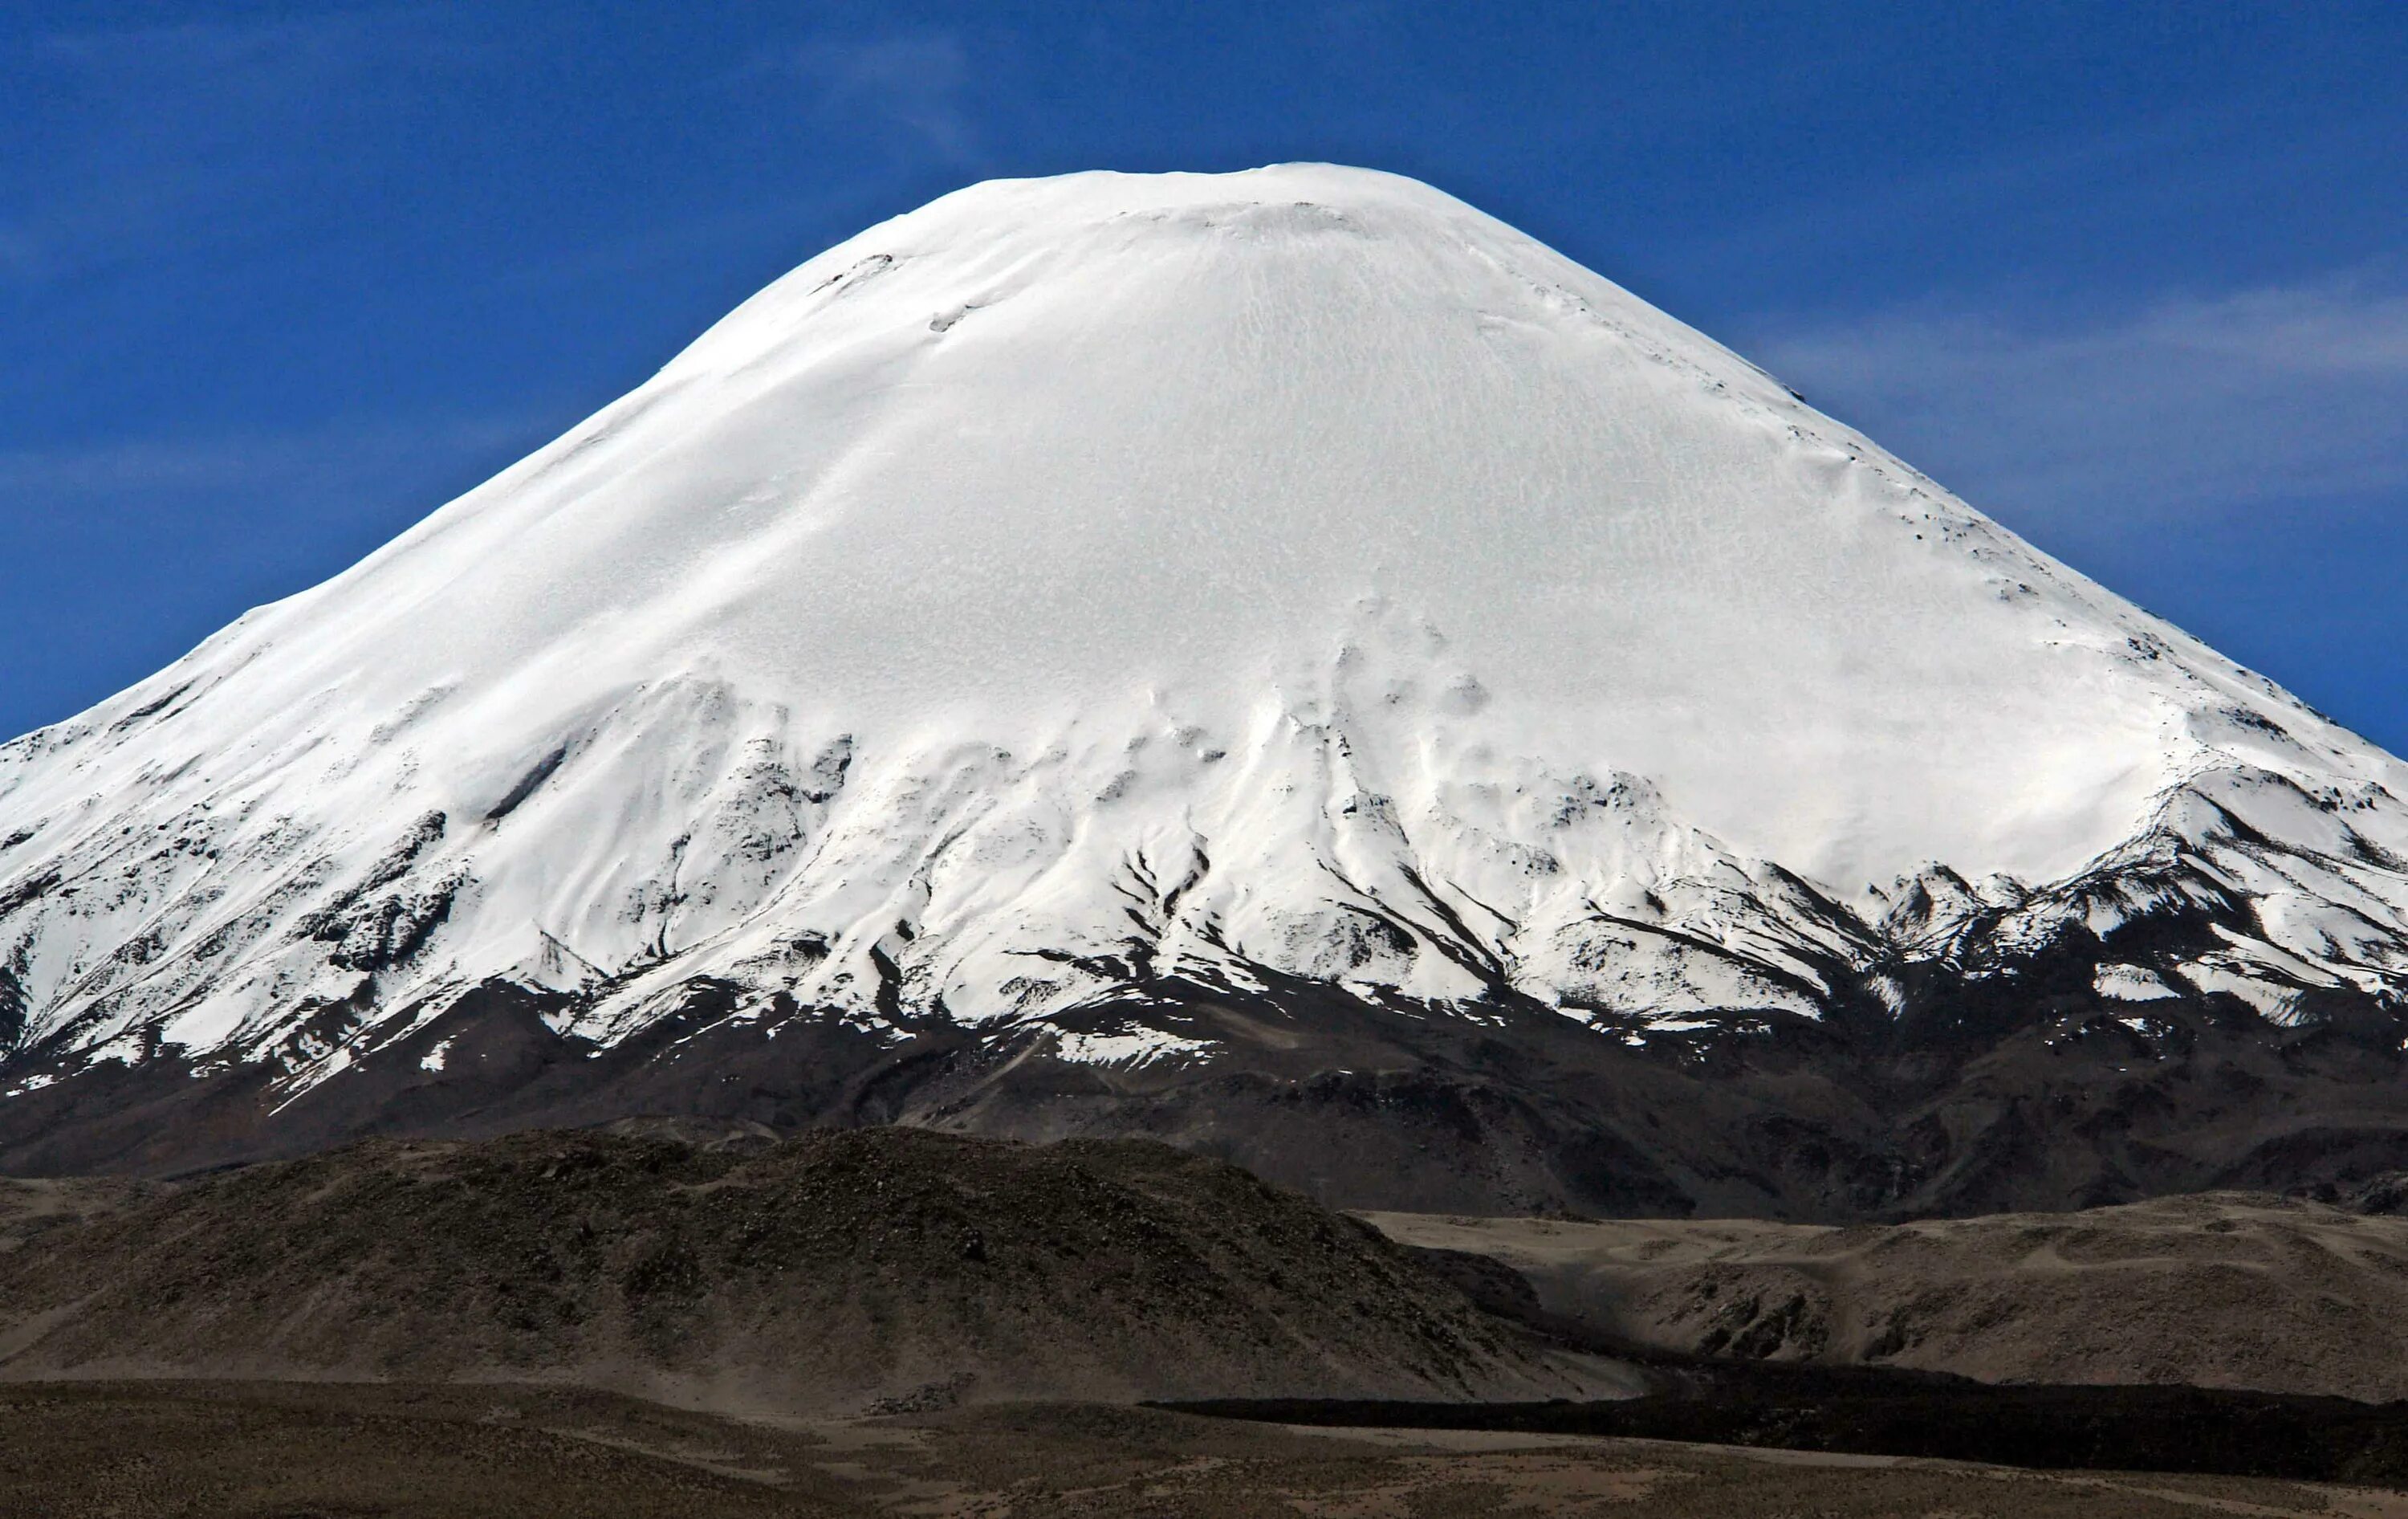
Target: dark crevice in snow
527 784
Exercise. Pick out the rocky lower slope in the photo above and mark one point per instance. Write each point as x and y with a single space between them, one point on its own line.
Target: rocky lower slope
837 1270
1983 1105
2233 1290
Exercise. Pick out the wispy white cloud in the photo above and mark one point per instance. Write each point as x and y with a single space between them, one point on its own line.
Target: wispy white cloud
2197 404
918 81
339 460
2338 328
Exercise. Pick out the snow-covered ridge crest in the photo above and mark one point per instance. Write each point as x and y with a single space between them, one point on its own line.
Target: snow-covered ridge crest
1081 591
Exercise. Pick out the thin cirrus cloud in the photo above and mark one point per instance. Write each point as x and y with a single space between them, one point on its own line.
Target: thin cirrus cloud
343 460
2190 407
187 530
918 82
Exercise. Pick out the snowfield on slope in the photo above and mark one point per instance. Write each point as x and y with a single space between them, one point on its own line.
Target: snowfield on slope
1078 585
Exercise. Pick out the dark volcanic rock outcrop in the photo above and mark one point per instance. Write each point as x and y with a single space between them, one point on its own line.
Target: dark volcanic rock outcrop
2075 1102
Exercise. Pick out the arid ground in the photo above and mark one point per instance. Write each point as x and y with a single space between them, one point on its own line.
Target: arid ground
892 1320
2214 1290
283 1451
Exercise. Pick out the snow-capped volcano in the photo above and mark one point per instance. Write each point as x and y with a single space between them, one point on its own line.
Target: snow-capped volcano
1083 602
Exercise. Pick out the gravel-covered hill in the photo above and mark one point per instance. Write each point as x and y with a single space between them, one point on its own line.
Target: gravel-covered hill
832 1270
2234 1290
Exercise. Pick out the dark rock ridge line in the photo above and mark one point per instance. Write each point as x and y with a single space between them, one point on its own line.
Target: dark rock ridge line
1969 1105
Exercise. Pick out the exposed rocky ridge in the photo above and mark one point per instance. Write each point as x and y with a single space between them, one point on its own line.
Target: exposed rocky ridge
831 1272
1983 1106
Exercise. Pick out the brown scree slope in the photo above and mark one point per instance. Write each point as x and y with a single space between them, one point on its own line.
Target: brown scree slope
2217 1290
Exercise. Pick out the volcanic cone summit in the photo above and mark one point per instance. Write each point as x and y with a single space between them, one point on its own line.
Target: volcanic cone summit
1082 602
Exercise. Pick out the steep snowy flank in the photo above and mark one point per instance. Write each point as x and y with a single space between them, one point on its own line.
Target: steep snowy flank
1095 592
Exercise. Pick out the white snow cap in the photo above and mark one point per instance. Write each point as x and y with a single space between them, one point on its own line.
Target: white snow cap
1241 553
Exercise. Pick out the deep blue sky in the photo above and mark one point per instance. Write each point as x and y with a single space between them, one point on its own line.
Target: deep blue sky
276 281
